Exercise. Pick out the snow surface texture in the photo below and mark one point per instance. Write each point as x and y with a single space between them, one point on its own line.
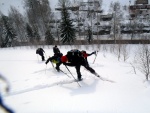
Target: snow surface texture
37 88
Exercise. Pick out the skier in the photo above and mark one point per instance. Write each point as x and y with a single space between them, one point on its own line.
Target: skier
85 55
1 100
75 58
41 52
55 59
56 50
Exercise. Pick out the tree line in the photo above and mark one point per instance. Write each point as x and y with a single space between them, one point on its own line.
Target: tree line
35 27
39 25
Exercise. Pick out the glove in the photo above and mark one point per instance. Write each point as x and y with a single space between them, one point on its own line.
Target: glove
94 52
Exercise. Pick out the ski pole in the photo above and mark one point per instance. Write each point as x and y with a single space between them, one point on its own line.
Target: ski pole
37 57
52 64
45 69
64 73
72 75
95 57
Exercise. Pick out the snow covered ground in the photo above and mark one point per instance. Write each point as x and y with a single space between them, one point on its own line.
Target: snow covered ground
37 88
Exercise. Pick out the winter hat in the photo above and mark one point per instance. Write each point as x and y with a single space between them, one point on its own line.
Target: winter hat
84 54
64 59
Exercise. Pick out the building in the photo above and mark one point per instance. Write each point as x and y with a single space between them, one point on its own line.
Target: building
141 9
140 12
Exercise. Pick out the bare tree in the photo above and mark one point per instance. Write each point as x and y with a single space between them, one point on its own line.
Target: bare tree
38 14
116 9
30 33
143 60
118 50
125 52
57 29
18 22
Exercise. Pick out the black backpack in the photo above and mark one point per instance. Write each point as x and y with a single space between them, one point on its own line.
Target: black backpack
73 54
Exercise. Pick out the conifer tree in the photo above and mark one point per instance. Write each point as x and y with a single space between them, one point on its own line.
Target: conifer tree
1 30
9 34
66 26
36 35
49 37
30 33
18 22
38 14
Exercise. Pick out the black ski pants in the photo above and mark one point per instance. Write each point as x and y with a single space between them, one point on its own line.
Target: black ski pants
57 66
42 56
86 66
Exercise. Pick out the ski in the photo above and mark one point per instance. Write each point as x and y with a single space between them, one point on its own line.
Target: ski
39 87
104 79
68 81
59 70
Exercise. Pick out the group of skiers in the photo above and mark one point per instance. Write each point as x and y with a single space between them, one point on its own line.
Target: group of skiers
73 58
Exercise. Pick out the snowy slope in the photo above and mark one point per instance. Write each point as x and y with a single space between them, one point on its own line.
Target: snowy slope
37 88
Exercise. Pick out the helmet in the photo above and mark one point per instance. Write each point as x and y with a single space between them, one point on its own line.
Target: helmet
64 59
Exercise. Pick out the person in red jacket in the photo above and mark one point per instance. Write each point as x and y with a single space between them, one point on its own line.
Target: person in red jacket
75 58
85 55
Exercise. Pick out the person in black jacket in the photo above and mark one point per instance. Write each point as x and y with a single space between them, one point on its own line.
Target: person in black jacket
76 59
56 50
1 100
56 59
41 52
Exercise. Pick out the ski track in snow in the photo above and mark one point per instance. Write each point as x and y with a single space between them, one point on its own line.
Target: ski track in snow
56 75
59 82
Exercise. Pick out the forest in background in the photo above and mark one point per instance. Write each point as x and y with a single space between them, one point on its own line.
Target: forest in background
42 26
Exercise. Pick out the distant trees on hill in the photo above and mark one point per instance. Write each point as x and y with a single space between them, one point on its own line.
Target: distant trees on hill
40 25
